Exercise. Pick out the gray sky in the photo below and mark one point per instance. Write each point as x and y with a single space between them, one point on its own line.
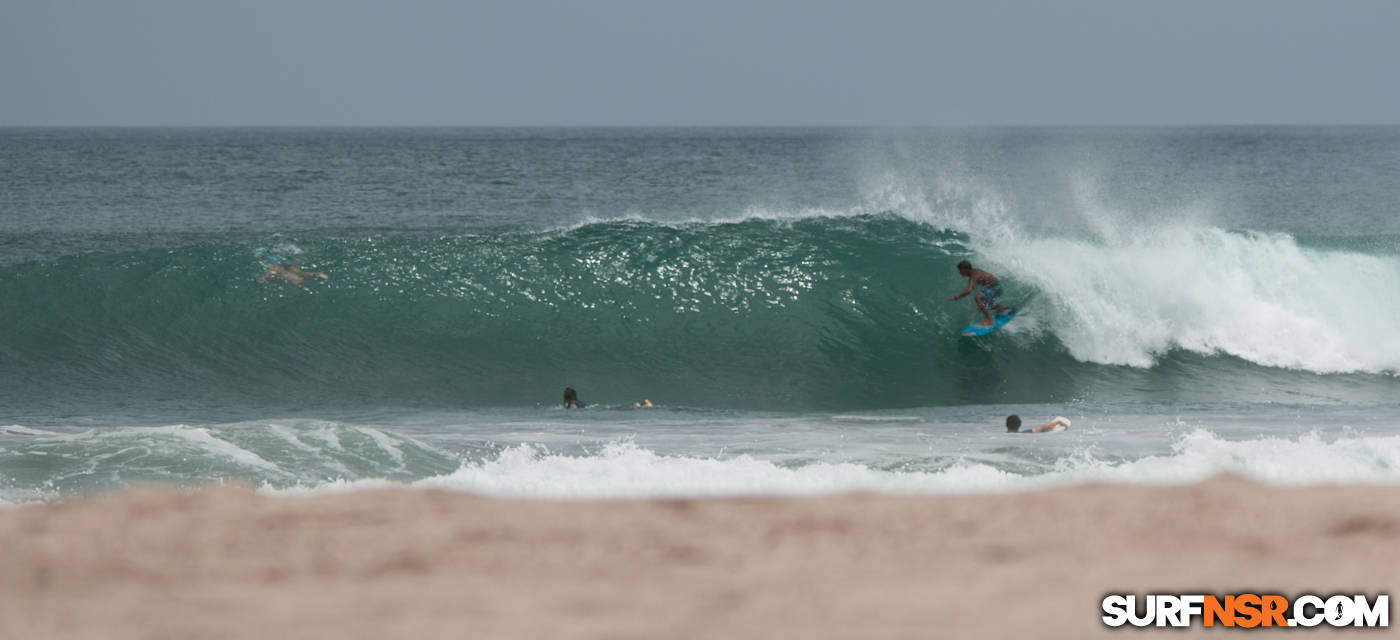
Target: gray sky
710 62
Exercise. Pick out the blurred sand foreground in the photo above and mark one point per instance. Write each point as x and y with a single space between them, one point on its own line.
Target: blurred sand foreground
227 563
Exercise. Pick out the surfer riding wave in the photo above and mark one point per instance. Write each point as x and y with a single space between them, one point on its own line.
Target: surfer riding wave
989 290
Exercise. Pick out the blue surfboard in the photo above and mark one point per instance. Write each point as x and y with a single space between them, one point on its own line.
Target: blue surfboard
269 259
998 322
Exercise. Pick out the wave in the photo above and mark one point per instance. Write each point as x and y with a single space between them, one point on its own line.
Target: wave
771 312
625 470
292 457
278 453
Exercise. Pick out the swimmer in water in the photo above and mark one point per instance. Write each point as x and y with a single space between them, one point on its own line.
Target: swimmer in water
571 400
280 267
1013 424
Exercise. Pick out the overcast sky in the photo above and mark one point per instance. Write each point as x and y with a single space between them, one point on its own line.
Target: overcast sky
705 62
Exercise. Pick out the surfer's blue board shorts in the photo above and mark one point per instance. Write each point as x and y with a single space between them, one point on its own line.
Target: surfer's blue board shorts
990 294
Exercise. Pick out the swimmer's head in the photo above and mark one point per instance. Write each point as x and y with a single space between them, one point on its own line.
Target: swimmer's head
1013 423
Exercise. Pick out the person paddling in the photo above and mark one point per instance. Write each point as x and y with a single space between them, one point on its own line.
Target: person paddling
1013 424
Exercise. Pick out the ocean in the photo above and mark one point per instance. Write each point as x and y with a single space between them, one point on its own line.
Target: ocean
1195 300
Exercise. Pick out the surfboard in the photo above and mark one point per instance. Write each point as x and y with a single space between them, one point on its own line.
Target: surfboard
269 259
998 322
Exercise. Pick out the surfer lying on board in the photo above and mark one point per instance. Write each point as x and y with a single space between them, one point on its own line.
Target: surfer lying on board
283 268
990 290
290 274
1013 424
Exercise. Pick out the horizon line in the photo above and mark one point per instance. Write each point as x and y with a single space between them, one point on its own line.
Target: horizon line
706 126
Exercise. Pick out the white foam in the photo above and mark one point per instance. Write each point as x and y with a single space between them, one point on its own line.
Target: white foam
329 434
291 438
384 442
205 440
1130 286
21 430
624 470
1256 296
1308 460
198 437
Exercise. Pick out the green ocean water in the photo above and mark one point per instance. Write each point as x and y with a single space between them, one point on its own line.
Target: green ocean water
1182 289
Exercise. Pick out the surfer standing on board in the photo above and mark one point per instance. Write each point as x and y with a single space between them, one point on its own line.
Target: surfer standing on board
987 297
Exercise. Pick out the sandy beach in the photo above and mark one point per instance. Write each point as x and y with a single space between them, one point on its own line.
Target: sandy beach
229 563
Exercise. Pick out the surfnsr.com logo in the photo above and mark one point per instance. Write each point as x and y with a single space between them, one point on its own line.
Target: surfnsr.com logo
1245 610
